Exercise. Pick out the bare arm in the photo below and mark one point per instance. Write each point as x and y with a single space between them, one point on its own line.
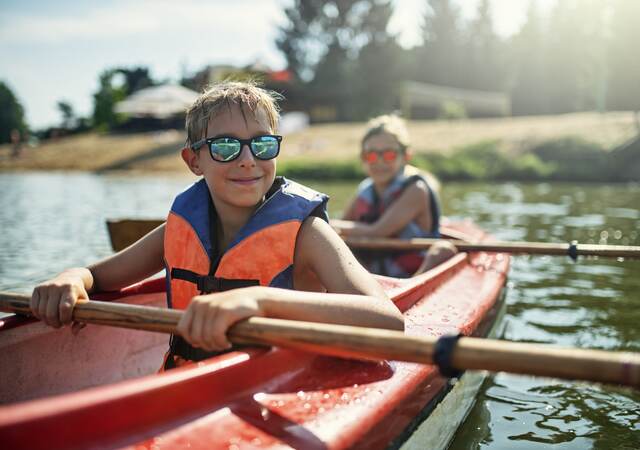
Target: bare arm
136 262
356 298
53 300
350 210
412 203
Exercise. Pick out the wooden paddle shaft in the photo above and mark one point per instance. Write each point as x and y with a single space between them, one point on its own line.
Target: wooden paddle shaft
369 343
531 248
125 232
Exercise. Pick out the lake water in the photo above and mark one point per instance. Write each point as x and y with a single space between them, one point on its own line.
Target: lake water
52 221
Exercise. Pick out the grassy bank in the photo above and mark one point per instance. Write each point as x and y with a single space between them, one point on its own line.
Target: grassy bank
562 159
572 147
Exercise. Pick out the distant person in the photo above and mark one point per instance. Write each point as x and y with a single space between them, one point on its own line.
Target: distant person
239 229
396 200
16 143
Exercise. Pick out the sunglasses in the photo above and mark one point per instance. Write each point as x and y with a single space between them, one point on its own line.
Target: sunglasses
227 148
373 156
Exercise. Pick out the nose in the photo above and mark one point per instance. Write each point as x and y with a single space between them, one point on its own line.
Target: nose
246 158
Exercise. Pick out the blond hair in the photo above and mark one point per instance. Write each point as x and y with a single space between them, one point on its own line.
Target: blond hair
222 96
388 124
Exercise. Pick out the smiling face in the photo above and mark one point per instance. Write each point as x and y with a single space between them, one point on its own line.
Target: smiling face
243 182
383 171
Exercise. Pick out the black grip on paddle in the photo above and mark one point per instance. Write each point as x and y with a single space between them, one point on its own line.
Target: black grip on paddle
442 354
572 251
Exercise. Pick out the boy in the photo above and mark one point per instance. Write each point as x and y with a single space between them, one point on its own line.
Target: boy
240 232
396 200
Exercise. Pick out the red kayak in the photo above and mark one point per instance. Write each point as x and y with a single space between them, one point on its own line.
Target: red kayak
100 389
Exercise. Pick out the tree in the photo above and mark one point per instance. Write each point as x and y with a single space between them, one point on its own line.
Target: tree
623 62
115 85
483 65
68 116
441 51
322 43
11 114
104 117
567 60
529 90
135 78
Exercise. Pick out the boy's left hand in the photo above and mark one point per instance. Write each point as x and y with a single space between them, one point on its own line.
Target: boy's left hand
208 317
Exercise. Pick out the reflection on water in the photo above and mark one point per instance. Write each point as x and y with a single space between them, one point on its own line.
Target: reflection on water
592 303
52 221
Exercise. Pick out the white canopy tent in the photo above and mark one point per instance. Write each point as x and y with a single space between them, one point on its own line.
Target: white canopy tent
159 102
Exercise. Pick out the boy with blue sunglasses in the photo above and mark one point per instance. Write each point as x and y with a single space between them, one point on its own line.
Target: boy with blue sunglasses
236 243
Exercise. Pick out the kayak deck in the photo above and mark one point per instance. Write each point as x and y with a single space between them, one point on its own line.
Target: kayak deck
276 397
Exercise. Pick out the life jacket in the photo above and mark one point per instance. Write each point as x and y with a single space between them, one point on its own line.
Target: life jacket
369 207
260 254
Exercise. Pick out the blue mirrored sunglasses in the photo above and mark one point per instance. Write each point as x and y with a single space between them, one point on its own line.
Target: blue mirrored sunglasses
227 148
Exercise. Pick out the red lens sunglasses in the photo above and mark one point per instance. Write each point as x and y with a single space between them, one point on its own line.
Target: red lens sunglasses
373 156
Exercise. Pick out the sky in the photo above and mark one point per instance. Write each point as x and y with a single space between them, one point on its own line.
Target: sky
52 51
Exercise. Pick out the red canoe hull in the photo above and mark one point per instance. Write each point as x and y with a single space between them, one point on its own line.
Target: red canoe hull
267 398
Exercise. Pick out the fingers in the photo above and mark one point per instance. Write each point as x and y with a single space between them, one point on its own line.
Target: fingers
52 311
35 301
207 319
76 327
216 331
184 325
65 309
53 301
198 324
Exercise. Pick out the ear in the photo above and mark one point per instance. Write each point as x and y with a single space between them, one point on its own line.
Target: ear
408 154
192 159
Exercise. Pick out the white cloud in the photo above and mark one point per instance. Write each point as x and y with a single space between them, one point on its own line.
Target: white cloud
141 17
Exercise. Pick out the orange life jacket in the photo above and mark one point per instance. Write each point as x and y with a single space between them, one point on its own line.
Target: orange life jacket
261 254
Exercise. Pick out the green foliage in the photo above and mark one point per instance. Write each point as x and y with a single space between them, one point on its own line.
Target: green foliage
624 161
484 161
623 67
573 159
452 110
68 116
565 159
135 78
11 114
104 116
321 170
342 56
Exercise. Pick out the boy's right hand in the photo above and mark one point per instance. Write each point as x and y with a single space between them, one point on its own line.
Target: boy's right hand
53 301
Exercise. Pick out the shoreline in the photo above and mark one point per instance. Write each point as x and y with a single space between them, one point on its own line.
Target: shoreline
569 147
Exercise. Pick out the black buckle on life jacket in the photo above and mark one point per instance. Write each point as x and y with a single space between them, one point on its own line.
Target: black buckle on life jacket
209 283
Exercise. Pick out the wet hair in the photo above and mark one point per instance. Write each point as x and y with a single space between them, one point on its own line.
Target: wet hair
219 97
388 124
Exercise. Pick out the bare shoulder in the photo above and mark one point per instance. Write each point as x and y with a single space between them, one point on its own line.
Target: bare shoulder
316 234
416 192
320 250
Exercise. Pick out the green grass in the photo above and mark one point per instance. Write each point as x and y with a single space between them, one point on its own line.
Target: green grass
563 159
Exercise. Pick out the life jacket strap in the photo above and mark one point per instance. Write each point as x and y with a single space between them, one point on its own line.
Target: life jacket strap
209 283
179 347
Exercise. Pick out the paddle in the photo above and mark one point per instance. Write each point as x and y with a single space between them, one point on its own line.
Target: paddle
127 231
369 343
531 248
